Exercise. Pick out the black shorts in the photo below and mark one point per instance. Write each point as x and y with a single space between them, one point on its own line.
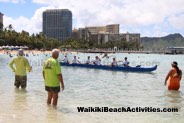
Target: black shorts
52 89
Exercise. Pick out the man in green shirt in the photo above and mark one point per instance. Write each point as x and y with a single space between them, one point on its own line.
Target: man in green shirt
20 69
53 77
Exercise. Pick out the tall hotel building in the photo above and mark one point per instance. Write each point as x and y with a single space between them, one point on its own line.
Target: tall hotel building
57 23
1 21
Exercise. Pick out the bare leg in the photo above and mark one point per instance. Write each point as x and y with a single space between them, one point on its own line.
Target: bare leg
55 99
50 95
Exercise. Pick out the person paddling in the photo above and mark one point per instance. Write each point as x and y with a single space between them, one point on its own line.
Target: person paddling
75 60
88 60
65 60
173 77
114 62
126 62
97 61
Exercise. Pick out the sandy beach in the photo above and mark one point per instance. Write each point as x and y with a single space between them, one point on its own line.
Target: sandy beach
13 52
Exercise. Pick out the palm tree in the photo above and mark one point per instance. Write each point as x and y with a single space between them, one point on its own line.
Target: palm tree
1 26
10 27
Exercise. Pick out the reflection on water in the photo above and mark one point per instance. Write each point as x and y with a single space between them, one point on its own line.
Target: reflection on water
174 96
20 99
174 99
90 88
53 116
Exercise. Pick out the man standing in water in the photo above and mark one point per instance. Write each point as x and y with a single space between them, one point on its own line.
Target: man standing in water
21 64
53 77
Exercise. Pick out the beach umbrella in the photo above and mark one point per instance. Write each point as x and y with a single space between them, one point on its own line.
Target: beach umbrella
25 47
7 46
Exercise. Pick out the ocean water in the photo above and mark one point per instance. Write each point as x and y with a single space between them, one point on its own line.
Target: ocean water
93 88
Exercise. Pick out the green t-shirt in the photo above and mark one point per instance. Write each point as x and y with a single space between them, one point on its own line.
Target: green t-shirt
21 65
52 68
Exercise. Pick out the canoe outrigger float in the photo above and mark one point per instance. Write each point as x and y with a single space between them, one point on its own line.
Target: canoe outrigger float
116 68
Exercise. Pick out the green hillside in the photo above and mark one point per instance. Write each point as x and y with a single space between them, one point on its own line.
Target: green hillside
172 40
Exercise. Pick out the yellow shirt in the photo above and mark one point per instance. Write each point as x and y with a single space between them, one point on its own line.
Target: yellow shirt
52 68
21 65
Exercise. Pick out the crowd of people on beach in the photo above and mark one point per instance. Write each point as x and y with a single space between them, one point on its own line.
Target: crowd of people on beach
52 74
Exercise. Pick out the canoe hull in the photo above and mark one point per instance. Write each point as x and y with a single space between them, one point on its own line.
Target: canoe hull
118 68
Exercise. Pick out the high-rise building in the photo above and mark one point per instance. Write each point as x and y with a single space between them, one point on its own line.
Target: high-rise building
1 21
57 23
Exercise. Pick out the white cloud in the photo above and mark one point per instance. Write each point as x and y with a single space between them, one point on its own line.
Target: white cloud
158 31
18 23
130 12
127 13
33 25
177 21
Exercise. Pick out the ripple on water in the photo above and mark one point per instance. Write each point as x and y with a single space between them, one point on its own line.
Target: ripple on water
90 87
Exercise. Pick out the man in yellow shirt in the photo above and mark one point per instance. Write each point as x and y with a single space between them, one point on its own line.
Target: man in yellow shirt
53 77
20 69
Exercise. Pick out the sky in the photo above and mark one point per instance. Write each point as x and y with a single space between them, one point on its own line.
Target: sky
151 18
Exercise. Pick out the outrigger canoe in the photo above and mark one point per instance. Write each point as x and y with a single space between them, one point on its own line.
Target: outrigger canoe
117 68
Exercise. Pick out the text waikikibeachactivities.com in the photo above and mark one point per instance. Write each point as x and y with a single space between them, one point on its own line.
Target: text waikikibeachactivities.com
127 109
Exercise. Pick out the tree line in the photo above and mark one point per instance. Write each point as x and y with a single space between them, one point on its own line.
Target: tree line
84 44
8 36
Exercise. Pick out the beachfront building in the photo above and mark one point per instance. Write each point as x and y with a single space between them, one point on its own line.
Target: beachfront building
174 50
131 37
95 33
113 28
57 23
102 38
105 34
1 21
96 29
81 34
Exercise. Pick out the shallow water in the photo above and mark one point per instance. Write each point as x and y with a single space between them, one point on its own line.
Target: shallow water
93 88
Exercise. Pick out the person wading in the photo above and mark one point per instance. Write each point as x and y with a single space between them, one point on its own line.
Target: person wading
21 67
53 77
173 77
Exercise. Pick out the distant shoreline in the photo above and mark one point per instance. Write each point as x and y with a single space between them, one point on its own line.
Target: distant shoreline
13 52
86 51
123 51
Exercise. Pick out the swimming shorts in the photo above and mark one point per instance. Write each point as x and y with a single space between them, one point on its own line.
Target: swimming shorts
52 89
20 81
